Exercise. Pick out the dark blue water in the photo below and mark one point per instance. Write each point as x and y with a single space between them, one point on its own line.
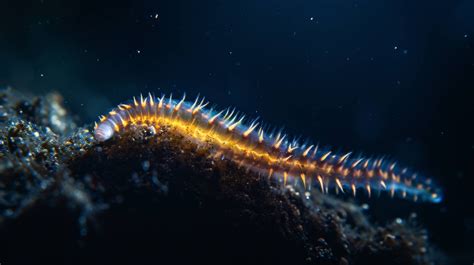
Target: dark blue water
381 77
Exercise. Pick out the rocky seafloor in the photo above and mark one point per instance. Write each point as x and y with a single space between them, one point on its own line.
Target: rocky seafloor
157 197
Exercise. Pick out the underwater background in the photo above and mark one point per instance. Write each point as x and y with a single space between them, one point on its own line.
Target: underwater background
380 77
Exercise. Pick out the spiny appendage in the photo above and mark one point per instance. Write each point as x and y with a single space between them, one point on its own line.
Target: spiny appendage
251 145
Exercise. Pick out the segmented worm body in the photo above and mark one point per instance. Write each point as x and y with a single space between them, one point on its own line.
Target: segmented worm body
271 154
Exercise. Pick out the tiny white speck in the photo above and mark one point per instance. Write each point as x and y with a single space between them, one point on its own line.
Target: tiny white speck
97 59
146 165
230 52
395 48
156 16
311 18
405 51
138 51
42 75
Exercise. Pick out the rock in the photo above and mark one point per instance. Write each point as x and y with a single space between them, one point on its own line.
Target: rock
155 195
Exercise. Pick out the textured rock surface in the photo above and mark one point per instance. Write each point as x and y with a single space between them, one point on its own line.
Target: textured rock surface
154 196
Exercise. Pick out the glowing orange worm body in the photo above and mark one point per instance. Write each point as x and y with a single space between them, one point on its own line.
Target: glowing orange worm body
270 154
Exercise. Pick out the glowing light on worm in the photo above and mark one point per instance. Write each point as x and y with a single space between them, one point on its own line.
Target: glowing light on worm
267 153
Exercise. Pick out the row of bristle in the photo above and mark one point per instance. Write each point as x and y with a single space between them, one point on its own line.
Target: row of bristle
323 185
